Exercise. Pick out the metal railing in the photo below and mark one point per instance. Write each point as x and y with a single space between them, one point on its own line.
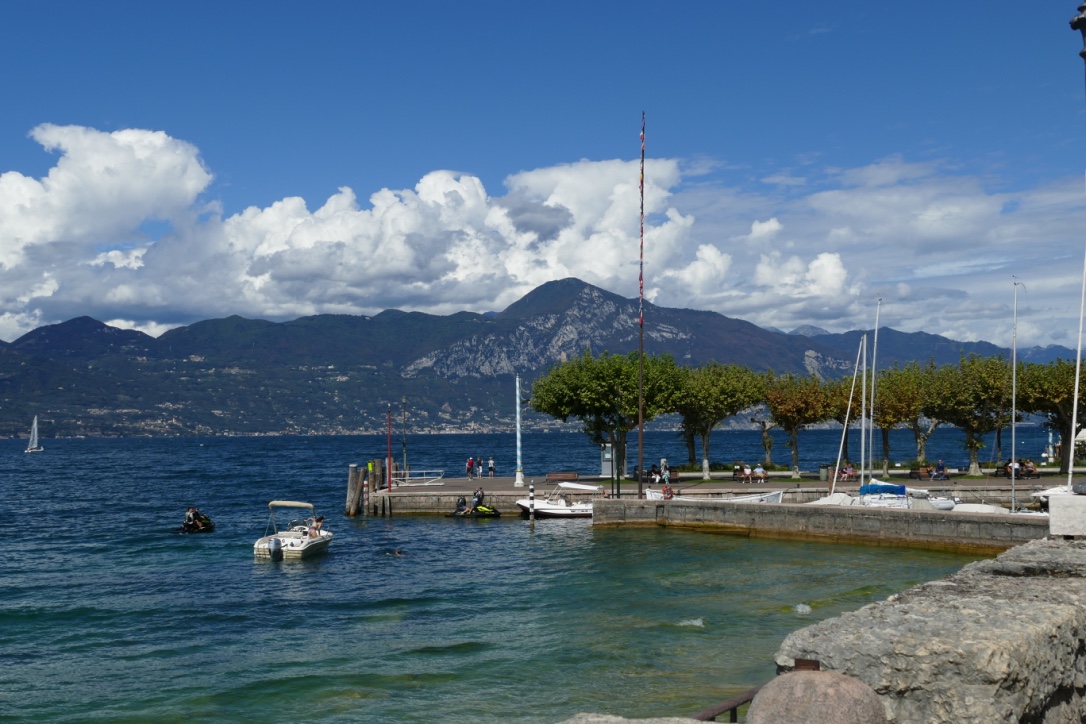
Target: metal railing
732 705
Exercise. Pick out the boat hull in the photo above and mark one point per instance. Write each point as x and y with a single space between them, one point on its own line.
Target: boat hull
545 510
290 546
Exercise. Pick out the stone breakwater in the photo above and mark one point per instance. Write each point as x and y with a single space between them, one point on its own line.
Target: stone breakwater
1002 640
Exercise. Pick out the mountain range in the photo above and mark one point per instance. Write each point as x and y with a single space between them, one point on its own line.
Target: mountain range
334 374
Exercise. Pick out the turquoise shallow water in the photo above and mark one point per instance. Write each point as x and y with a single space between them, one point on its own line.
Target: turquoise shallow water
108 616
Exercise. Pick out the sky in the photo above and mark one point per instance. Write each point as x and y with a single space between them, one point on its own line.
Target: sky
166 163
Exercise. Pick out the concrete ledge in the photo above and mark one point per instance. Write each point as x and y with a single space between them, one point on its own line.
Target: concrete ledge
959 532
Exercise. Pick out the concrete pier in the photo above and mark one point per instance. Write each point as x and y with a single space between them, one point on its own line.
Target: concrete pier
931 529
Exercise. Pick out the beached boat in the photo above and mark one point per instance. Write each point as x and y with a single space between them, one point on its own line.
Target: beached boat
561 503
773 496
32 445
303 537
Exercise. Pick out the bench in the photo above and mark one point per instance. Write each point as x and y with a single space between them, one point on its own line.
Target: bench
562 476
924 472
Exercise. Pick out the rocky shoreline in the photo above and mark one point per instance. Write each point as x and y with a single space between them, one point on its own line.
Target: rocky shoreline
1001 640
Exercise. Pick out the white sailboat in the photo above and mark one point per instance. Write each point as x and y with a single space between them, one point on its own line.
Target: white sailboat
32 445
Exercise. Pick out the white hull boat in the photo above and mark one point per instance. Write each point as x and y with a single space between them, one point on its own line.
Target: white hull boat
878 494
32 445
301 538
773 496
561 503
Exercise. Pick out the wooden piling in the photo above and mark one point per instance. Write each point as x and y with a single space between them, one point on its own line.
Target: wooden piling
354 490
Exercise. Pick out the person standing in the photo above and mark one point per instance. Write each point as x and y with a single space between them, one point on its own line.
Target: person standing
490 466
470 468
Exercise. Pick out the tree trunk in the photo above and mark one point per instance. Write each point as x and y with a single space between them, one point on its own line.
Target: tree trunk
794 444
691 451
705 453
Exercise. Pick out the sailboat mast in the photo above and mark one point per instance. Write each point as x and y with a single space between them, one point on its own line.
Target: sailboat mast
1014 397
874 376
641 327
1078 371
863 412
848 413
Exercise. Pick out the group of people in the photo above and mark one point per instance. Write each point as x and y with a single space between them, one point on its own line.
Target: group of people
462 507
659 475
749 475
474 467
1022 468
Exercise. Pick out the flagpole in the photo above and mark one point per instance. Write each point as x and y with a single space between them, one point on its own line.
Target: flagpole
641 328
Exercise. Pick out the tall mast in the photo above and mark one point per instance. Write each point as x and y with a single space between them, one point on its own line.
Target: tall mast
641 327
1077 23
1014 395
874 375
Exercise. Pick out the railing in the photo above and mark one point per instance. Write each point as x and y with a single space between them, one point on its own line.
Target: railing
417 477
732 705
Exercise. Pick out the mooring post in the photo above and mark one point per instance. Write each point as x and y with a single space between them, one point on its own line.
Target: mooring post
352 490
531 502
365 491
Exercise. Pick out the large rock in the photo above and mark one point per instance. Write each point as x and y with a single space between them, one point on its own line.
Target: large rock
801 697
1003 640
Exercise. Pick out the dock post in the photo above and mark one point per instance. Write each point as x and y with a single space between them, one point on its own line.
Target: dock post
353 492
365 475
531 502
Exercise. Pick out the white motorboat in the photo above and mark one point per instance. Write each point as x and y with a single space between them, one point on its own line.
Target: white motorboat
32 445
303 537
561 503
773 496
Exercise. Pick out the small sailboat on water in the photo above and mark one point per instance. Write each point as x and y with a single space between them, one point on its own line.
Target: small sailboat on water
32 445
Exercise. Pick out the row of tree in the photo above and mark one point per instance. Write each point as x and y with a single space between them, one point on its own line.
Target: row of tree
978 396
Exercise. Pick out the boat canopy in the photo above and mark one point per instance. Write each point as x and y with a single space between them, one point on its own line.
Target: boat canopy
876 488
289 504
579 486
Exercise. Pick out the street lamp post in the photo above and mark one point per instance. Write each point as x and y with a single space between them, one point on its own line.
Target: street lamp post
403 407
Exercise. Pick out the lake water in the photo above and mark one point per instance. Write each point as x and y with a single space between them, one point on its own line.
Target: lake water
107 616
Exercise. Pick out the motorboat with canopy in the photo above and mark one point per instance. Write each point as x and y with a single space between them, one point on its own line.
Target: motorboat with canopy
301 538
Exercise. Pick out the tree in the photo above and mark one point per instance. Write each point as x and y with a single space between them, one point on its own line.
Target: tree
712 393
795 402
603 394
975 396
902 395
1049 390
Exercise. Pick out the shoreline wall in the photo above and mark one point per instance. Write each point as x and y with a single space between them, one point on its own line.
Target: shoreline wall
939 530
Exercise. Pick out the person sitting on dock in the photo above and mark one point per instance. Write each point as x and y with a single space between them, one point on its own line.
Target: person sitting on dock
476 501
759 473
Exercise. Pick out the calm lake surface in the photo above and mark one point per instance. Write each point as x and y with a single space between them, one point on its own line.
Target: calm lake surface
107 616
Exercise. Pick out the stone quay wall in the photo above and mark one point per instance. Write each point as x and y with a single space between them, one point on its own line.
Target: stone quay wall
1002 640
933 529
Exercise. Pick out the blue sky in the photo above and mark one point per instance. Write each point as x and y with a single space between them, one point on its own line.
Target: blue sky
165 163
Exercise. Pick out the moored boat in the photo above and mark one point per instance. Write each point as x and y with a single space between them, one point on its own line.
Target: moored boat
561 503
772 496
